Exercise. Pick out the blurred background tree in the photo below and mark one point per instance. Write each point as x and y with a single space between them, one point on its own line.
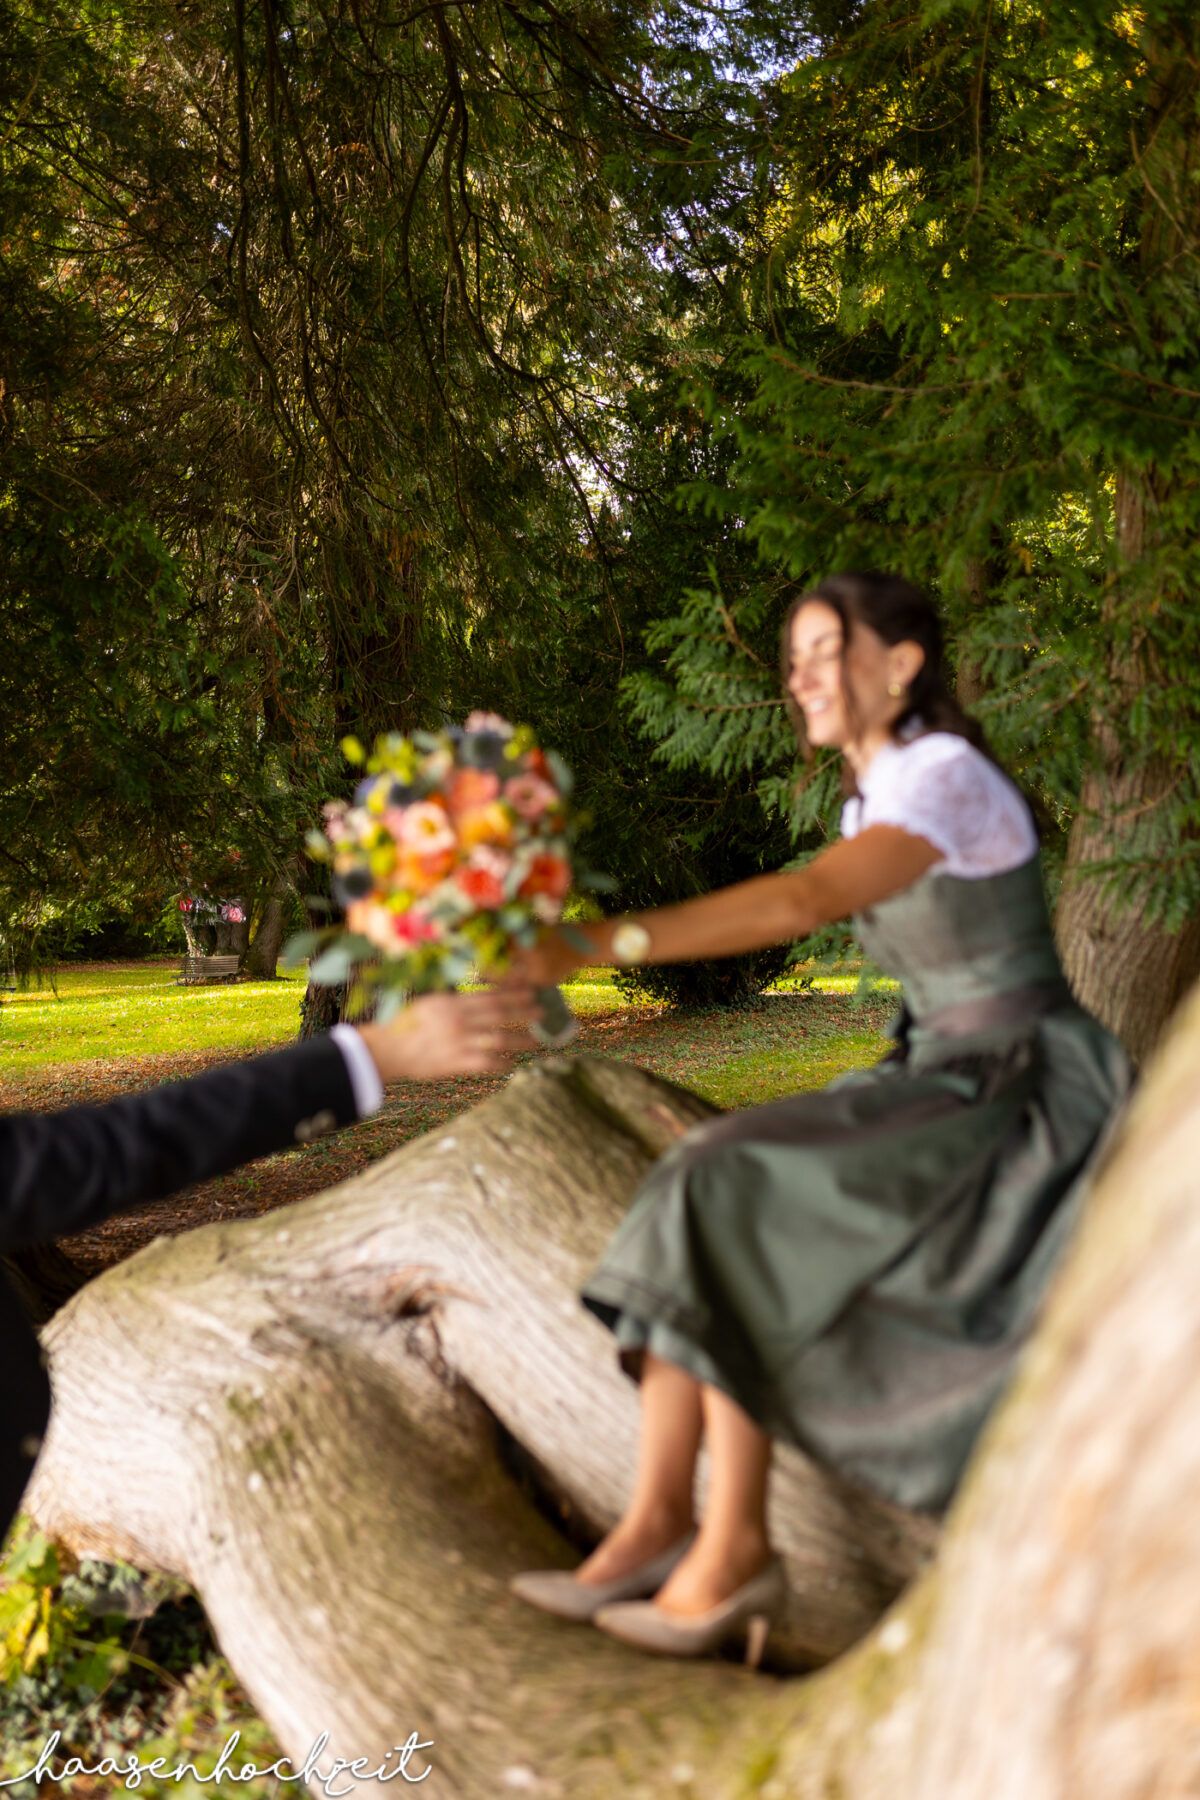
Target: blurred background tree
973 359
323 338
362 367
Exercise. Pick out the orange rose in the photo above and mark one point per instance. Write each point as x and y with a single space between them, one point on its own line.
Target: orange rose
481 886
472 788
422 873
491 824
547 875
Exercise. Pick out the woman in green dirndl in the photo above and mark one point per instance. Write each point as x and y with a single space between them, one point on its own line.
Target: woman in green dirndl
852 1270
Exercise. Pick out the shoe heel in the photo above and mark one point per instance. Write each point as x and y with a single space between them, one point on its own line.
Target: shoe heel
757 1630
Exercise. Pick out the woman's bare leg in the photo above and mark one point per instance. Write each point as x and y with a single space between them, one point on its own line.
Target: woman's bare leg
732 1543
660 1508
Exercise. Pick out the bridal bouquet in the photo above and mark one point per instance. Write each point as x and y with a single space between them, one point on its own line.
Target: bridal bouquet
455 849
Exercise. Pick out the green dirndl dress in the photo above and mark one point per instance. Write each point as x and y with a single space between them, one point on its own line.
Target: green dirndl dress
858 1267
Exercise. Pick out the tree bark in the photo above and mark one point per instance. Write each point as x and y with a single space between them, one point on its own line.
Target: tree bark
348 1424
969 684
261 960
321 1008
316 1417
232 937
1127 970
197 944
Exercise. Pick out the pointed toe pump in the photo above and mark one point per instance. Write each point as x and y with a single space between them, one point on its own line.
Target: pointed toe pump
750 1611
557 1591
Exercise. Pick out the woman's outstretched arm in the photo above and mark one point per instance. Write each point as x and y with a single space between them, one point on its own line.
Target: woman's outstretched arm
771 909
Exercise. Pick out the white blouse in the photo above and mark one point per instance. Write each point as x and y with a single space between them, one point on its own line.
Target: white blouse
941 788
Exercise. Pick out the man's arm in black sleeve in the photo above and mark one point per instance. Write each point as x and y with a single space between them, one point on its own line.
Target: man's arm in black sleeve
63 1171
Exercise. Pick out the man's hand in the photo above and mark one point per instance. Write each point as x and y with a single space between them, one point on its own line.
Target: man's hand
453 1034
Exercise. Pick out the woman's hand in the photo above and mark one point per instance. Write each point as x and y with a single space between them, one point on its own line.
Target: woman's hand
552 958
454 1034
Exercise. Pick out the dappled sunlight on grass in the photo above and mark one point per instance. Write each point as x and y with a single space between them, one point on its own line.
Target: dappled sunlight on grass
109 1014
592 990
759 1076
139 1009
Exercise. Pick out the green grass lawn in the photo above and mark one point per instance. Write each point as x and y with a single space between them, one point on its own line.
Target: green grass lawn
136 1009
129 1011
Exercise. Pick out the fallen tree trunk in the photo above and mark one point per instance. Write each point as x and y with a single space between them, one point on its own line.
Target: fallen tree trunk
346 1424
315 1416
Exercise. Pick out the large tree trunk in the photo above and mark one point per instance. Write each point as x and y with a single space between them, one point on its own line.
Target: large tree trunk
192 936
349 1423
321 1008
1126 970
316 1417
261 960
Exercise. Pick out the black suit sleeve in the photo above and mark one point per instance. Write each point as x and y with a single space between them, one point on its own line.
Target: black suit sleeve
63 1171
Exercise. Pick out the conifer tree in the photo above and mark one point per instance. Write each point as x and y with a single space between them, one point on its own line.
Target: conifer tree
974 360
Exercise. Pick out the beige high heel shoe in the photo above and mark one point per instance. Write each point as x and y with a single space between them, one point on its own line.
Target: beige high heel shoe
557 1591
752 1608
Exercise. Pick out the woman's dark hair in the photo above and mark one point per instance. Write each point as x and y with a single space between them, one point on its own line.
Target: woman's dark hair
898 612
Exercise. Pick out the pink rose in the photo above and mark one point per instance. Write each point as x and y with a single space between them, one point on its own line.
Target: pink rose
530 796
486 721
498 861
413 927
426 829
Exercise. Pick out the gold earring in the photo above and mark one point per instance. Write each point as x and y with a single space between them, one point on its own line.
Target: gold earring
895 689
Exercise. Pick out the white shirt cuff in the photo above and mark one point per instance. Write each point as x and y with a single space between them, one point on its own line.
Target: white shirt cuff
360 1066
